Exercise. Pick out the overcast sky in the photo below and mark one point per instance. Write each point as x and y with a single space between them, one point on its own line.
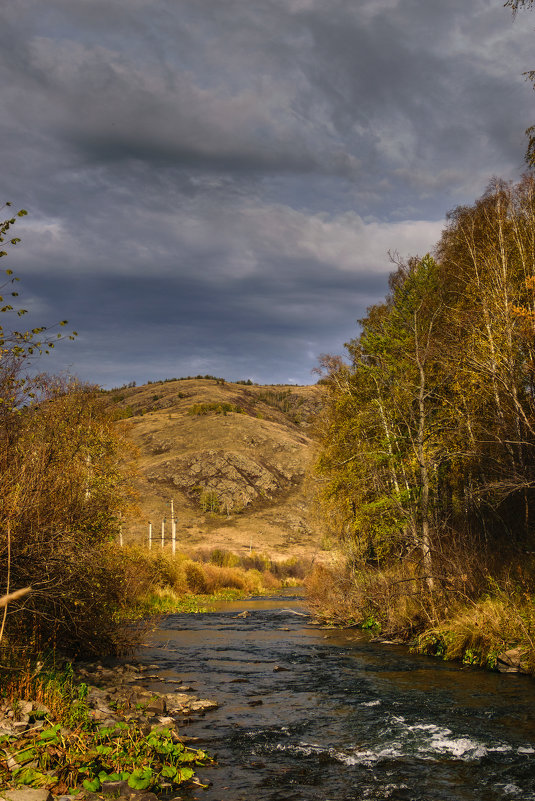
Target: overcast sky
213 186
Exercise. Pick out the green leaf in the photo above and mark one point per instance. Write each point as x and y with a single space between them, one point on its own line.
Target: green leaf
51 733
93 785
140 778
185 774
111 777
168 771
25 756
31 777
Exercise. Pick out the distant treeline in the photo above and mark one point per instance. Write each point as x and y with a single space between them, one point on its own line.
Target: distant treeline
246 382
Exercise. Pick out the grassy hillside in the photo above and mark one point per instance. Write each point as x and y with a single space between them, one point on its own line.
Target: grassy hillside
232 457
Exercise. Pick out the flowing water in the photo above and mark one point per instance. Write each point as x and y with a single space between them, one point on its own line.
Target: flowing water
314 714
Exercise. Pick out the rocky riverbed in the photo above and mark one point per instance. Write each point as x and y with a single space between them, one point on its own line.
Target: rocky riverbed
115 695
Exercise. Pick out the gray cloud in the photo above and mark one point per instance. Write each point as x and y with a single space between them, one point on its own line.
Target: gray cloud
218 183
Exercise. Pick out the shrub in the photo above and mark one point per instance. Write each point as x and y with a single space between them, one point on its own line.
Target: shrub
195 578
209 501
61 499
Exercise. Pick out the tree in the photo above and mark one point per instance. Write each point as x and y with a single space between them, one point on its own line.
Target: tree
428 435
387 454
62 494
515 5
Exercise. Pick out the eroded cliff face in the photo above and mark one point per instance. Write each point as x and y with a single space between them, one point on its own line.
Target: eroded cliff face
232 458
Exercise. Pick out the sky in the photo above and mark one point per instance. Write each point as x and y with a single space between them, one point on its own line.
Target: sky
214 186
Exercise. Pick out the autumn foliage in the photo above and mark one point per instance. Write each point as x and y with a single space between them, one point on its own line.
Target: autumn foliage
427 462
63 490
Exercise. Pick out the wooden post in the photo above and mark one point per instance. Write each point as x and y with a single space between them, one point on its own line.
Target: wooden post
120 535
150 535
173 526
163 532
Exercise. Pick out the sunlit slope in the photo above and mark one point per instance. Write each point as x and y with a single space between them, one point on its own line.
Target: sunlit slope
233 459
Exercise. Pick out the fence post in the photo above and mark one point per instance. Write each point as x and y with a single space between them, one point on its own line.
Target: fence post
150 535
173 534
163 532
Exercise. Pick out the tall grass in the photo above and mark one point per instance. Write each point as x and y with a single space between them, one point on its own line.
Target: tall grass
452 622
161 582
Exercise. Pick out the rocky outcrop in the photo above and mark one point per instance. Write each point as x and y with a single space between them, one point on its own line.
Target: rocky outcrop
237 479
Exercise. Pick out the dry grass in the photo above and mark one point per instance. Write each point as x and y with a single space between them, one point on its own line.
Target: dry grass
445 623
157 575
52 688
478 632
393 601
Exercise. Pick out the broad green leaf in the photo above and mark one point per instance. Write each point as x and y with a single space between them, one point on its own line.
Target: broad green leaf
185 774
93 785
50 734
140 778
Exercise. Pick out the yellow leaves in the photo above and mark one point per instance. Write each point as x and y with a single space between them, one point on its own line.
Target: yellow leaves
521 311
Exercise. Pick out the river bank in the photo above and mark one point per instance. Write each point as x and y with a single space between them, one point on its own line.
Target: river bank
50 715
118 738
495 630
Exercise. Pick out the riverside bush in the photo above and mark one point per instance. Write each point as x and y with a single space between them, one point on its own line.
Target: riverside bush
62 493
159 582
280 569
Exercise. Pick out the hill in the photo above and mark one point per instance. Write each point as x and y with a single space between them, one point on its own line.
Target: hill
233 459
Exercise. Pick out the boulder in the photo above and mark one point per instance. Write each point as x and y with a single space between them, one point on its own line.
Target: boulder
156 706
512 661
116 788
26 794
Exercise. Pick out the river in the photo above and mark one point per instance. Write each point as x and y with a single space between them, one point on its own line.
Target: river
314 714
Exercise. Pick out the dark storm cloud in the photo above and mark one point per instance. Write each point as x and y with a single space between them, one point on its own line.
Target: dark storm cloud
173 327
213 187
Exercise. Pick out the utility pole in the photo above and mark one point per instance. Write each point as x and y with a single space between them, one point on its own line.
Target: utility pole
173 526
